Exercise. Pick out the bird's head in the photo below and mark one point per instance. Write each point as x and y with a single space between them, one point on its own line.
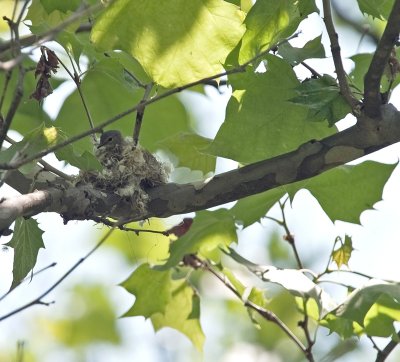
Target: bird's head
110 139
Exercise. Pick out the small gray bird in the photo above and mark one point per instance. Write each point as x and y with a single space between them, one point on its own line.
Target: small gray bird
110 139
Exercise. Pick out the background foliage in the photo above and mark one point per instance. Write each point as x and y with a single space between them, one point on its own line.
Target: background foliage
205 281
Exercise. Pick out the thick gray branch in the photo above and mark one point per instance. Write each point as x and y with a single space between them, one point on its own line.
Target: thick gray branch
310 159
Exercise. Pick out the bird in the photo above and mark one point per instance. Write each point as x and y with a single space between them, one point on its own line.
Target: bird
121 155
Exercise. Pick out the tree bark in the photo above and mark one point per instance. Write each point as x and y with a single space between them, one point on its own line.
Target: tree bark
310 159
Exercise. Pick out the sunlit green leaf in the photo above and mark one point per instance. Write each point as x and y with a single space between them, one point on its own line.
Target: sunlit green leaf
268 22
144 247
26 242
359 302
152 289
182 313
260 120
168 39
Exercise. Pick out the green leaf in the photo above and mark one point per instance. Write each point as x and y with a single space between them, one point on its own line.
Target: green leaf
152 289
323 100
182 313
85 161
260 121
145 247
360 301
312 49
235 282
61 5
345 328
292 280
168 38
342 255
46 14
361 65
107 93
379 319
251 209
346 191
267 23
256 296
210 231
35 141
188 148
377 9
26 242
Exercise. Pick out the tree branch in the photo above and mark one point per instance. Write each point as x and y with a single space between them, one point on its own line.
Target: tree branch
372 80
310 159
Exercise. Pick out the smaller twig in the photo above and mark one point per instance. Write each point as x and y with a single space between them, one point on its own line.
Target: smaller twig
52 265
329 271
347 286
337 59
314 73
384 353
5 126
4 92
374 345
195 262
140 114
289 236
21 13
39 300
76 79
304 326
125 228
47 166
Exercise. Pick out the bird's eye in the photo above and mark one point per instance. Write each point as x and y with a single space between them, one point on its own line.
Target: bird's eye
109 139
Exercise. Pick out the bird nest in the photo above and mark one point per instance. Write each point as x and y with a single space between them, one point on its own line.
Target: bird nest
128 170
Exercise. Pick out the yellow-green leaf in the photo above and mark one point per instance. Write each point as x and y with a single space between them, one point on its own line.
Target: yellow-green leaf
176 41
